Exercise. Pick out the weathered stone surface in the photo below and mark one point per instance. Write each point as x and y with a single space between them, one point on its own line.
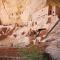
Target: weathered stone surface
28 16
54 46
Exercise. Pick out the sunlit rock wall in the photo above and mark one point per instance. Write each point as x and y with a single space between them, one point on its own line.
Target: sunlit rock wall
18 10
33 14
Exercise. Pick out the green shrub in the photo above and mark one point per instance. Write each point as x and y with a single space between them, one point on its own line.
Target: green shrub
32 53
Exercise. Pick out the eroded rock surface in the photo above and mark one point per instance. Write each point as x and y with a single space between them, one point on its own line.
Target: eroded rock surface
54 45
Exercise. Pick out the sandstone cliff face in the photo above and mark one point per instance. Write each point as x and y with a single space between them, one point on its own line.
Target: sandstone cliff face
21 21
21 12
29 15
18 10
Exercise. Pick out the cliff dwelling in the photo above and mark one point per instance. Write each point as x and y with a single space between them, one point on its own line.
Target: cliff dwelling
25 22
